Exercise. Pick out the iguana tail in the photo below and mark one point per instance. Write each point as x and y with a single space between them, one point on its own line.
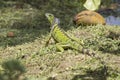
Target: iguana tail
88 52
81 49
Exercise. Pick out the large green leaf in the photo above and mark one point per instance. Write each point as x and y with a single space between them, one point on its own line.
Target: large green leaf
92 4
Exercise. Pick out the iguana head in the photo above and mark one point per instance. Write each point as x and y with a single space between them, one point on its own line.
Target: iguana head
52 19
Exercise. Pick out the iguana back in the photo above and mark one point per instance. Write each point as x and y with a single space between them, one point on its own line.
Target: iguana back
59 35
56 32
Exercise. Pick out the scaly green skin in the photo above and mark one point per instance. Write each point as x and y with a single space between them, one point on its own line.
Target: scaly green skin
63 41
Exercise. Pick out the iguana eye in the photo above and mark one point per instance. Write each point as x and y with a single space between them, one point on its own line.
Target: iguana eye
50 16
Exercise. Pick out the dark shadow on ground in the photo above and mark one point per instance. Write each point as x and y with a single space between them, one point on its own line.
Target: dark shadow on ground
101 73
115 52
26 29
22 36
98 74
31 25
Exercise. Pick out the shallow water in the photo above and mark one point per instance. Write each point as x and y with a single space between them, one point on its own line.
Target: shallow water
112 20
113 15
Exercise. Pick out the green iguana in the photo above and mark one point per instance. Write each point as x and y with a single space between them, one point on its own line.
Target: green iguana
63 41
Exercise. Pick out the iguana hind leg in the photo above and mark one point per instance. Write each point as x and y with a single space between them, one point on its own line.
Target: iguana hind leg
61 46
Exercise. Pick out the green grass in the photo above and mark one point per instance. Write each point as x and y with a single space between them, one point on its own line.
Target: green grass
31 30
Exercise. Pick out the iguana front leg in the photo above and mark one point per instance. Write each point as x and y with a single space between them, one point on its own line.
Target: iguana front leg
48 39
